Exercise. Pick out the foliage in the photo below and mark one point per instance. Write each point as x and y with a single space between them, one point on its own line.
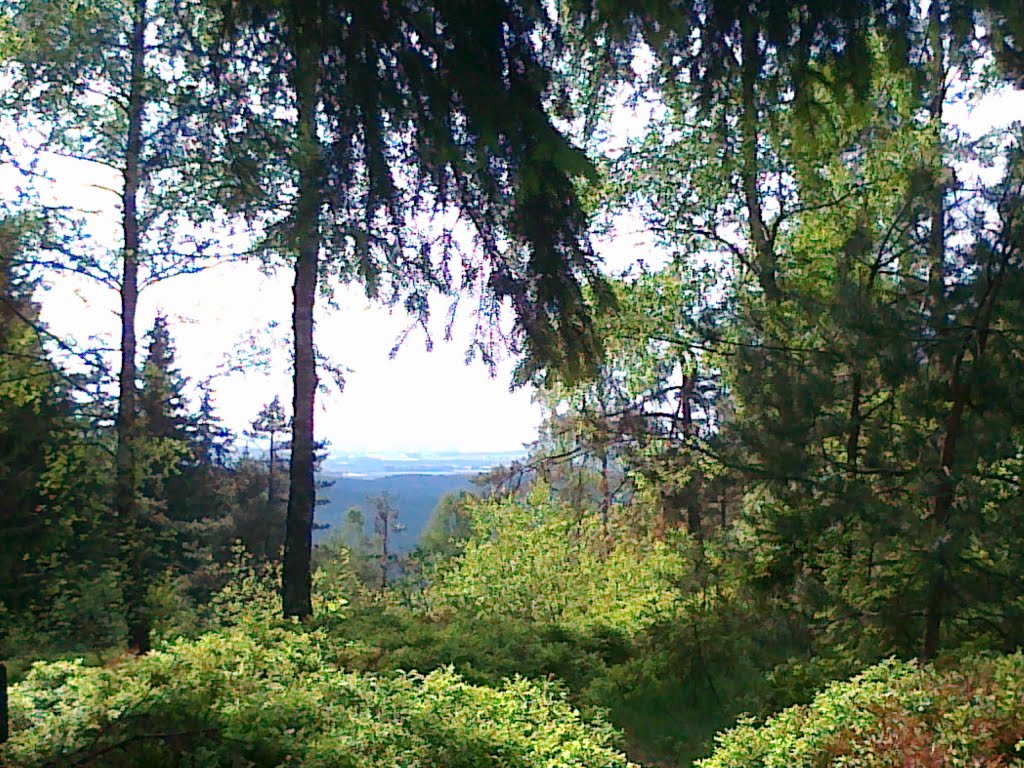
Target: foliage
448 528
543 561
800 454
276 697
896 713
57 578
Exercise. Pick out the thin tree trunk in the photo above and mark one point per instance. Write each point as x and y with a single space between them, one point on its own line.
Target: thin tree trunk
694 521
763 247
296 579
4 727
125 505
853 437
942 501
384 552
270 476
604 490
942 507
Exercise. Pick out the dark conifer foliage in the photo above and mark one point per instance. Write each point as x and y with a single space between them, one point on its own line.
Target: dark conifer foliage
406 113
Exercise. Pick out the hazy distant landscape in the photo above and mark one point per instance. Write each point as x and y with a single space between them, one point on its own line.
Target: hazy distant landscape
417 495
417 480
440 463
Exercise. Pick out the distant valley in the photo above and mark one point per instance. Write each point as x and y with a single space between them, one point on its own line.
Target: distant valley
417 480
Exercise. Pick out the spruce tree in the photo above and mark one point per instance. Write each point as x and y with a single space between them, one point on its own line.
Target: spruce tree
401 117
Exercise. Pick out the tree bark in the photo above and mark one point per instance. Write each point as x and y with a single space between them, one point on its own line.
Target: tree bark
763 246
694 519
853 436
942 508
942 501
125 504
296 579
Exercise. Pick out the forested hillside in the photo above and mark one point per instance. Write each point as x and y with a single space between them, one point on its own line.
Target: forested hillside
761 265
415 496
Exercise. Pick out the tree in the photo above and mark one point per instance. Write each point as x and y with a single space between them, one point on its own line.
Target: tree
182 458
860 307
402 117
269 423
56 574
163 406
212 440
385 523
125 89
450 525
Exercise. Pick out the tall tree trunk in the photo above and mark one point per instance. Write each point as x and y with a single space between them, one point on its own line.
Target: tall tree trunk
384 553
942 501
4 727
604 489
296 580
125 505
763 246
942 508
694 518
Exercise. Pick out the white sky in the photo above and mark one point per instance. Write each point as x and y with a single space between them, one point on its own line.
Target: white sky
418 401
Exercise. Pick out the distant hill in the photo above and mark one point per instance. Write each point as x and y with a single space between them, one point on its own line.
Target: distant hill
419 480
417 494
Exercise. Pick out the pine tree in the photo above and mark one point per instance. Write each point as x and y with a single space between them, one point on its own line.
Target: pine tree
163 406
271 424
262 524
856 333
212 441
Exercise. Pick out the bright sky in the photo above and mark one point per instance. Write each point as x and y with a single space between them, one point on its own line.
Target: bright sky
418 401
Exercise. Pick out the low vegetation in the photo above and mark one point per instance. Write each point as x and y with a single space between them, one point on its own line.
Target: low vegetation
277 697
895 713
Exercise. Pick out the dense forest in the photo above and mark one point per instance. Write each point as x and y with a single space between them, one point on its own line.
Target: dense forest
774 515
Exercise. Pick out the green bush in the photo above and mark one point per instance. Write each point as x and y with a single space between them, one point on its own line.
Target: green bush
543 561
484 651
276 698
894 714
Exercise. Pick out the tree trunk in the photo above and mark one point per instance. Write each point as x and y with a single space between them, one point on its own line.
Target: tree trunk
125 505
384 552
763 247
942 507
942 501
853 436
3 704
694 521
604 490
296 579
270 475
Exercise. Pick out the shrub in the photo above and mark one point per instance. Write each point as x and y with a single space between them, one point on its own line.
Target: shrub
542 561
274 698
894 714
